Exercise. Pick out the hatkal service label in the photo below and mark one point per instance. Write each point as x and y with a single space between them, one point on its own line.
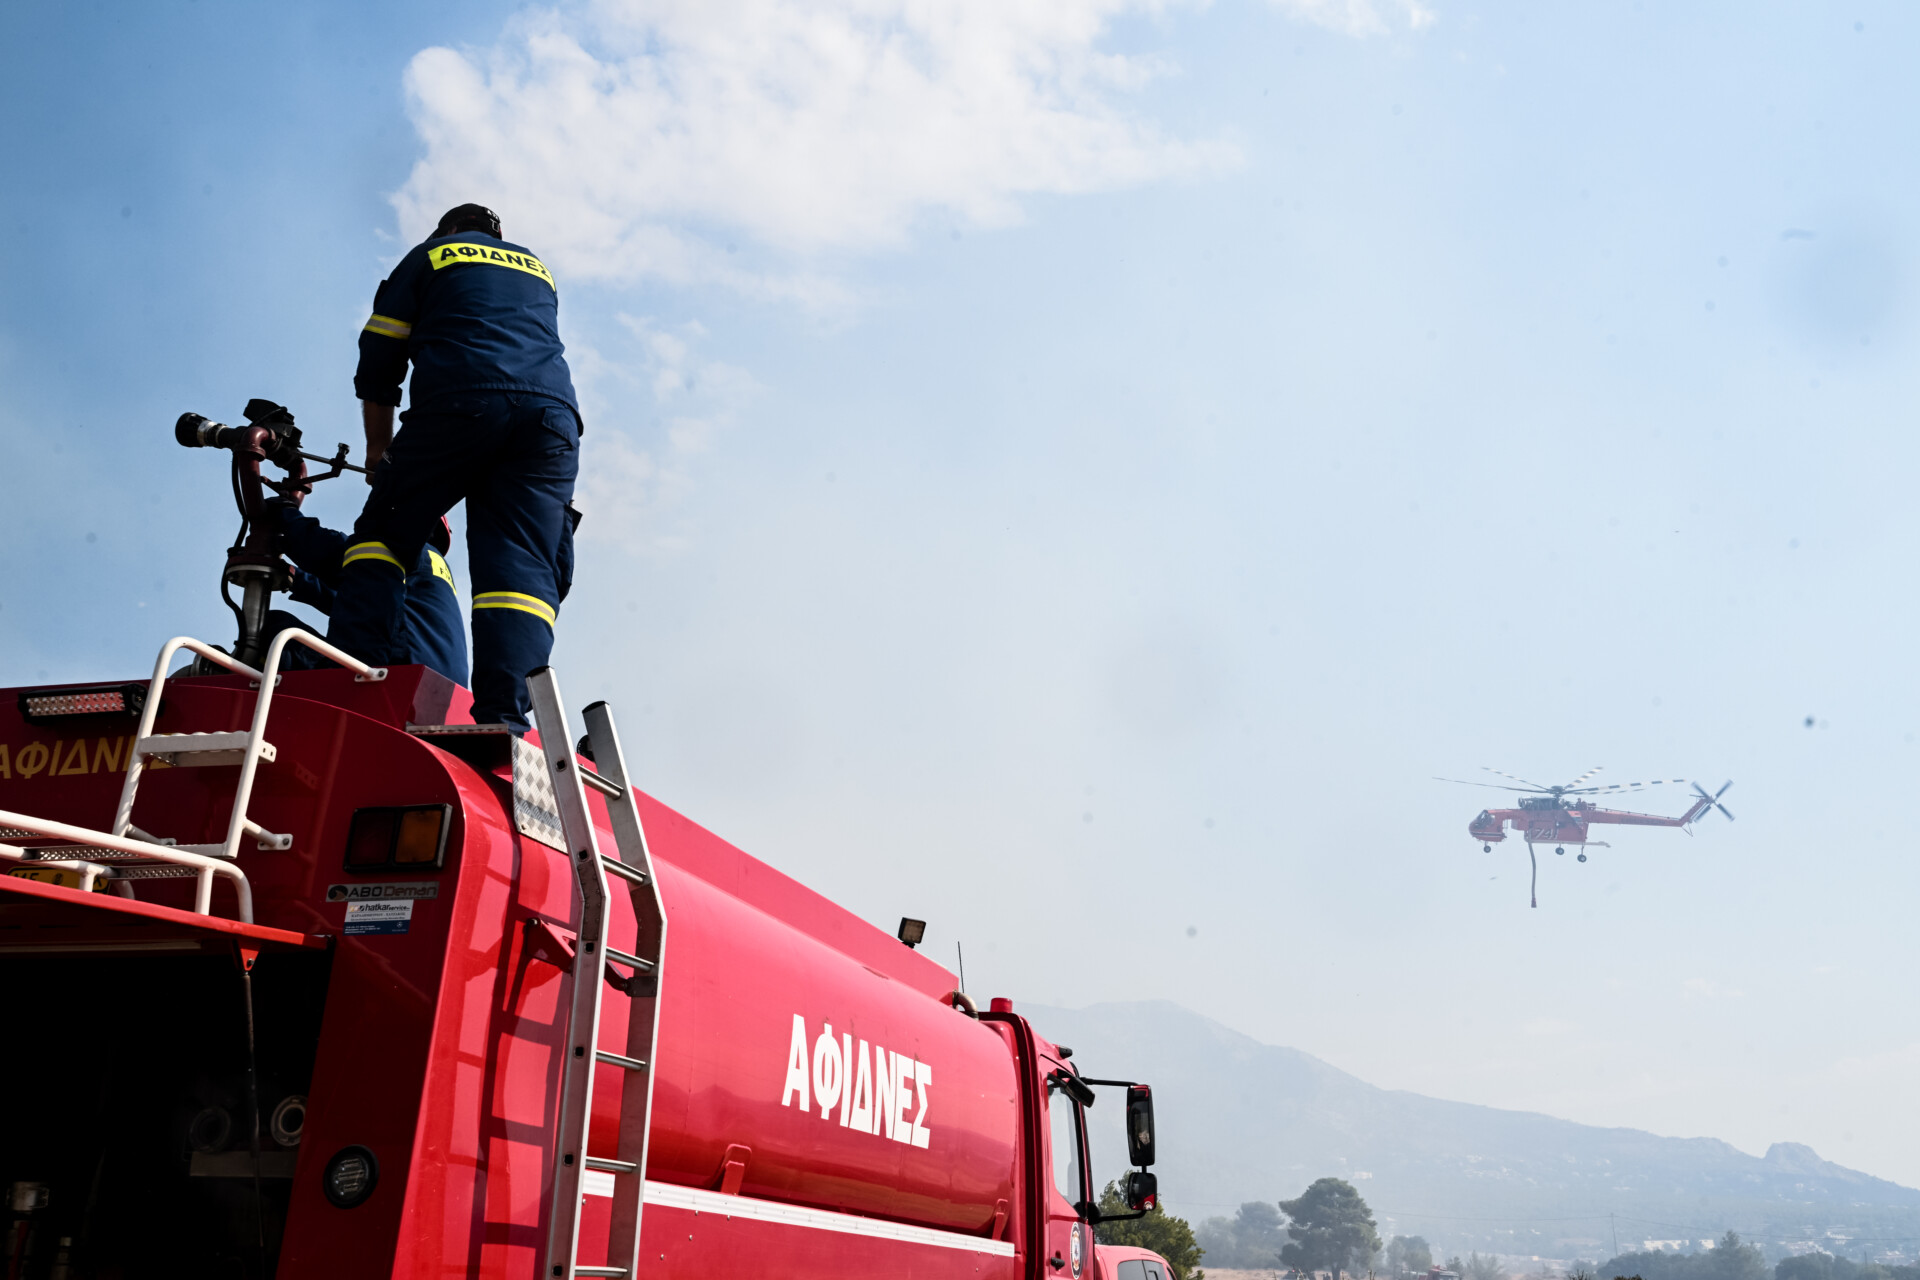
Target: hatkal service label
379 917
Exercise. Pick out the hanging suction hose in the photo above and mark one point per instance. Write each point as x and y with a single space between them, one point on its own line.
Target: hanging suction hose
253 562
253 1111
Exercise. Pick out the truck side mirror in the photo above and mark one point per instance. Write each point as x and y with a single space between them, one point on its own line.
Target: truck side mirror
1143 1191
1140 1126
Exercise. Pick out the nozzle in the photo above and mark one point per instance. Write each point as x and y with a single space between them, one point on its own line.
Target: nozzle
272 437
196 432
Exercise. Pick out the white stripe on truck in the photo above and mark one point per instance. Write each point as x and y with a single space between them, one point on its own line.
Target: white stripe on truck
668 1195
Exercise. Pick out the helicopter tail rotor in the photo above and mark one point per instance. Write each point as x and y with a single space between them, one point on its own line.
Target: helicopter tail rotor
1714 799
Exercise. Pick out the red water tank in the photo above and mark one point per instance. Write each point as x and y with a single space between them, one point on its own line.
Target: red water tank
848 1089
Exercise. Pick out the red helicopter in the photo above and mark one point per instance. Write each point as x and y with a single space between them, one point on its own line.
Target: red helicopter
1548 816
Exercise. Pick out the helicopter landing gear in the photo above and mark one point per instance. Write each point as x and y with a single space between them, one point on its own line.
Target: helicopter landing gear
1583 857
1562 851
1486 848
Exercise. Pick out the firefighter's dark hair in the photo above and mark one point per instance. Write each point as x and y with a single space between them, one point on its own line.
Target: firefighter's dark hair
468 217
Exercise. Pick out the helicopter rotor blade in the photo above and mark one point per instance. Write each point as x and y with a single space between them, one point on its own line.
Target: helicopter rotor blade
1636 786
1536 786
1465 783
1583 777
1713 800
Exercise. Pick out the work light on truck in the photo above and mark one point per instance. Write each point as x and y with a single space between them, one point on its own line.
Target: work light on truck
40 706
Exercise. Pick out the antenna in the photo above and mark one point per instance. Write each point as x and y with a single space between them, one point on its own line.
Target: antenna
962 957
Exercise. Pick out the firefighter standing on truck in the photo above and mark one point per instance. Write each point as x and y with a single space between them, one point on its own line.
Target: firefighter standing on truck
491 419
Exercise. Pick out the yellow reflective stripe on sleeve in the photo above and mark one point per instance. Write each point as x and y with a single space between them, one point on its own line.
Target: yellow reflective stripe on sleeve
371 551
388 327
441 571
458 253
515 600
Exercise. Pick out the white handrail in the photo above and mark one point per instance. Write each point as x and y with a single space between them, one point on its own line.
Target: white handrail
269 677
207 867
123 816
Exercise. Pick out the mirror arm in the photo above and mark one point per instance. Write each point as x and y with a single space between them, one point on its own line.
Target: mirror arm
1091 1214
1073 1086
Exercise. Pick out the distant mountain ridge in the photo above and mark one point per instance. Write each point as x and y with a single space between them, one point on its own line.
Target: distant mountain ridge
1240 1120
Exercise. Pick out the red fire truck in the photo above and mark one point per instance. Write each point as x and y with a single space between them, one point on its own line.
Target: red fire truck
308 975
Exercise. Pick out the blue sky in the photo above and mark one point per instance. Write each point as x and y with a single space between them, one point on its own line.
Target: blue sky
1076 477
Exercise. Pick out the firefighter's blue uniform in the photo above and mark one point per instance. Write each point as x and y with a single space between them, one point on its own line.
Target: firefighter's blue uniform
492 419
435 623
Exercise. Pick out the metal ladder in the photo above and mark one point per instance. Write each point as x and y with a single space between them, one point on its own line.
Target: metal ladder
591 961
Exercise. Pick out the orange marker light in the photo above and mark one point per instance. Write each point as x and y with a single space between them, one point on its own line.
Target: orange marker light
419 836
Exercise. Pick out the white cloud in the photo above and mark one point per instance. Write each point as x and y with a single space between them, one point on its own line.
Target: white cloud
629 494
635 138
1359 17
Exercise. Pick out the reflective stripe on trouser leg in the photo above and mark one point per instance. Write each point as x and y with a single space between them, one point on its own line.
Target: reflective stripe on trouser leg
515 600
508 641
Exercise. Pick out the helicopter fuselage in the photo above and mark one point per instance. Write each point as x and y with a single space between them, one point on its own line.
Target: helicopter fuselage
1549 820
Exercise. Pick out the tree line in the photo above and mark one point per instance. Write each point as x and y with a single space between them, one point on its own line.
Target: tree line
1731 1258
1329 1228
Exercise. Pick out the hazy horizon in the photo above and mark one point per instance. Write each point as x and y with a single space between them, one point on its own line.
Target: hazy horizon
1076 473
1243 1121
1122 1068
